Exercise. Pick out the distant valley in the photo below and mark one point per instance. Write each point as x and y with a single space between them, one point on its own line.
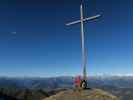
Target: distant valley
33 88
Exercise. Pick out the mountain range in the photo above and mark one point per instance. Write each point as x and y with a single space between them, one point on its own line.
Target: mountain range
121 86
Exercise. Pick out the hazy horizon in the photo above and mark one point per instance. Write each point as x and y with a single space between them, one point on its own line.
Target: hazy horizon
100 75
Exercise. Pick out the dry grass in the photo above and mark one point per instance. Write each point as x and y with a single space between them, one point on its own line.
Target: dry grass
95 94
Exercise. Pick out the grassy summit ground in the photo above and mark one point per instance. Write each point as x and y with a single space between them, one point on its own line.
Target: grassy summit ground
92 94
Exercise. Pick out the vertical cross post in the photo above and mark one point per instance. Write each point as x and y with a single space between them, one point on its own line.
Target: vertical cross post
81 21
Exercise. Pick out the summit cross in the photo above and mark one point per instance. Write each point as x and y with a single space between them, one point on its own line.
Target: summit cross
81 22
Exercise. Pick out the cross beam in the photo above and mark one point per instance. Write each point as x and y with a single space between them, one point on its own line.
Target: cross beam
81 21
85 19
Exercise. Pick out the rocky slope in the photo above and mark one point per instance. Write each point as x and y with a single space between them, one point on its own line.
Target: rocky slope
93 94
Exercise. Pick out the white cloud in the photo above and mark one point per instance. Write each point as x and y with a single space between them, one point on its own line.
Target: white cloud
14 32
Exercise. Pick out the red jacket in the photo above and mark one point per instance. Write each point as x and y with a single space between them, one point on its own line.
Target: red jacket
77 81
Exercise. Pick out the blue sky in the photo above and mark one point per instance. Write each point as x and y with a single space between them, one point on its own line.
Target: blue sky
34 40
